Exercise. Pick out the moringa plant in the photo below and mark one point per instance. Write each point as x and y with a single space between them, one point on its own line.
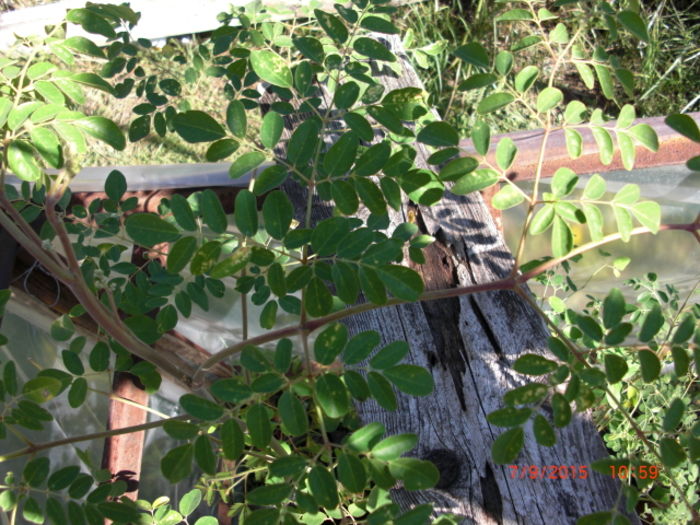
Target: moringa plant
276 438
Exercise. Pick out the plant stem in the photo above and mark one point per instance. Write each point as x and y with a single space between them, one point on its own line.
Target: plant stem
512 282
32 449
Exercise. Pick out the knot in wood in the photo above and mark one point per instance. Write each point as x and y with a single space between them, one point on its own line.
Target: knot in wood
448 463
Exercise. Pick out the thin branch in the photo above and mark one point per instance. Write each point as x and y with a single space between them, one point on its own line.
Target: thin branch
32 449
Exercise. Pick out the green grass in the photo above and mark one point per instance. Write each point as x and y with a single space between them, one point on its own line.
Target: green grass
669 66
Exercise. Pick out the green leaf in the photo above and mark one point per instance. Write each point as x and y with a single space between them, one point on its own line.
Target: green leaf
595 188
271 129
332 25
147 229
78 392
346 95
673 415
20 159
634 24
626 117
416 474
648 213
293 414
474 53
394 446
562 238
504 62
176 465
351 472
411 379
390 355
646 136
457 168
311 48
189 502
509 416
291 465
278 213
32 511
604 142
481 137
364 438
259 427
115 185
514 15
373 49
652 323
5 108
574 143
330 343
623 219
381 390
221 149
683 124
561 410
360 346
549 98
318 300
36 471
197 126
543 431
42 389
438 134
685 329
613 308
359 125
615 368
246 213
204 455
302 144
507 197
402 282
245 163
533 364
323 487
272 494
494 102
478 81
564 182
271 67
180 254
182 212
269 179
526 78
212 211
91 22
575 112
231 390
201 408
332 396
84 46
102 129
236 118
476 181
627 150
542 219
380 25
341 155
232 440
46 143
505 153
672 454
559 35
650 365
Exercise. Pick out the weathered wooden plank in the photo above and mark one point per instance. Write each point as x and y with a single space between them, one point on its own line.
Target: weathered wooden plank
469 345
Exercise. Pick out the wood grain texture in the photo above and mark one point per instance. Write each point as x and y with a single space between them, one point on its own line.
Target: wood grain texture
469 344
